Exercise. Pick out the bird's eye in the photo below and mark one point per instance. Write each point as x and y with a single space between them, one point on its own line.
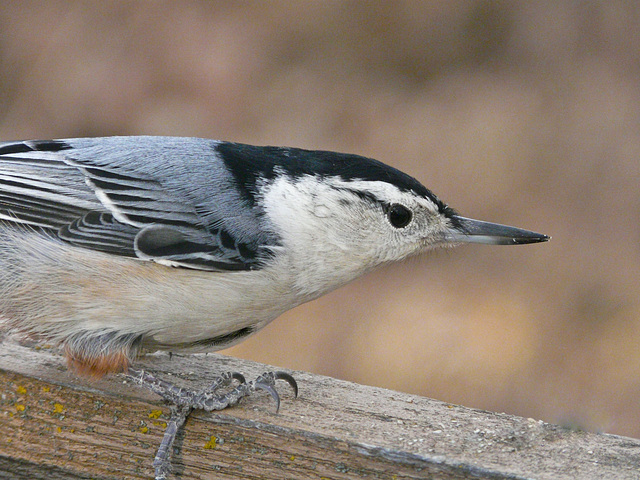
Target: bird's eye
399 215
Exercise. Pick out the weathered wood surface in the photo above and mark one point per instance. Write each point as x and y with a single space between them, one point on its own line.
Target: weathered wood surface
56 426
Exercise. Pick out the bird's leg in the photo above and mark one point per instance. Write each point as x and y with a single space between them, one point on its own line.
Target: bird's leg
179 396
210 400
162 460
185 401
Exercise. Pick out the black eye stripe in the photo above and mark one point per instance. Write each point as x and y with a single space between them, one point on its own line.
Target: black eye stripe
399 216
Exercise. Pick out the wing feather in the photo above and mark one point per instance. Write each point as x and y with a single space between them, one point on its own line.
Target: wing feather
112 207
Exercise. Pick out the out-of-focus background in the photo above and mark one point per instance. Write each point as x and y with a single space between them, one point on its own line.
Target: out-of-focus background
526 113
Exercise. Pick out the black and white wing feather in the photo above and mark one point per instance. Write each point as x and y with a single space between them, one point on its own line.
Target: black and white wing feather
100 199
40 190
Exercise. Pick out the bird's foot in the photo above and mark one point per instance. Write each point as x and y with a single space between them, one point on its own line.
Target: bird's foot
185 401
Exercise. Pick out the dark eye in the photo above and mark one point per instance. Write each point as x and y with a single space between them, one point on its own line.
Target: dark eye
399 215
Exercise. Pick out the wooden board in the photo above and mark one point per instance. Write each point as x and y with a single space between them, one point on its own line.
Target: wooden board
54 425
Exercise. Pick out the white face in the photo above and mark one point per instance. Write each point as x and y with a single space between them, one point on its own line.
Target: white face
335 230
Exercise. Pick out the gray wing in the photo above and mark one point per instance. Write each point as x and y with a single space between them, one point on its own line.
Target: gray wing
94 201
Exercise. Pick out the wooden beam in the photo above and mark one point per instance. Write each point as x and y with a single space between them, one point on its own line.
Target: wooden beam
56 426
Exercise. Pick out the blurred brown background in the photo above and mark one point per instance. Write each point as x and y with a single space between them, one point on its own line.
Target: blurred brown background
526 113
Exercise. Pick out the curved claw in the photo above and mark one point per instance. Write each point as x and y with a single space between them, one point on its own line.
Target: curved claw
289 379
225 379
272 391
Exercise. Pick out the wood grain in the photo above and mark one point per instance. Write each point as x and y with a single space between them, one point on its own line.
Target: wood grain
54 425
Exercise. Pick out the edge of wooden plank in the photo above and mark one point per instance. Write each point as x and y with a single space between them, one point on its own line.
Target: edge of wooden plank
335 429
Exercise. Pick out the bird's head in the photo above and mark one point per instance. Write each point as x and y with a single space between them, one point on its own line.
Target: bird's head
343 215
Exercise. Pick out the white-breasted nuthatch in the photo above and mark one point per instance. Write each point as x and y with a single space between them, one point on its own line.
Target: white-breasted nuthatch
111 246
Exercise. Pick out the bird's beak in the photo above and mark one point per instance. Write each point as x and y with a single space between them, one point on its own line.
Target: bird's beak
467 230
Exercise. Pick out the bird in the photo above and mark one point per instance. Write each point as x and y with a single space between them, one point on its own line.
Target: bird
111 247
